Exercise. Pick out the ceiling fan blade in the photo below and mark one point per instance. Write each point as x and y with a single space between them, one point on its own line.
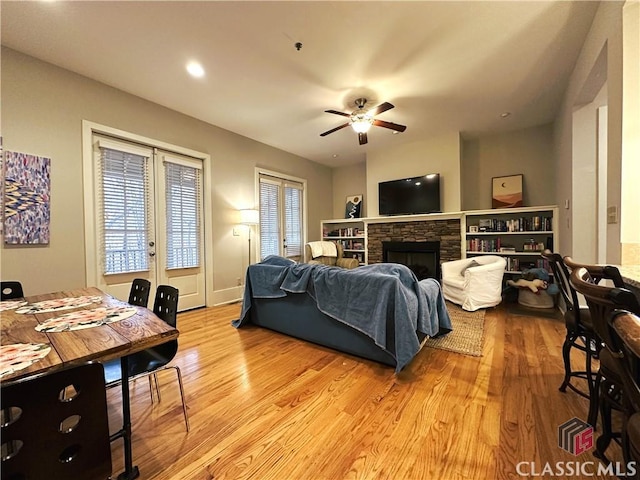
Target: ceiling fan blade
383 107
392 126
334 129
362 138
338 113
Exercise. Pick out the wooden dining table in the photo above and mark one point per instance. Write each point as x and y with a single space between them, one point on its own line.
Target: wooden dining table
75 347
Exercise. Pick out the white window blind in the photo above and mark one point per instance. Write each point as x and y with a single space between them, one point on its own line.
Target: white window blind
183 199
124 198
293 219
269 218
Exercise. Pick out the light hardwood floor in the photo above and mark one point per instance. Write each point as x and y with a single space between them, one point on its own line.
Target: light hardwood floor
266 406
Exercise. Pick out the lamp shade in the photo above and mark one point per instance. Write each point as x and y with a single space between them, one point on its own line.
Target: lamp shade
249 217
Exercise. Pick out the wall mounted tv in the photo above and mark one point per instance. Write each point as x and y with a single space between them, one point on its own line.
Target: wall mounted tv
410 196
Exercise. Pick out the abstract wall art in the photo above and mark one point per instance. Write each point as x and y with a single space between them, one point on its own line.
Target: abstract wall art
353 208
506 191
27 186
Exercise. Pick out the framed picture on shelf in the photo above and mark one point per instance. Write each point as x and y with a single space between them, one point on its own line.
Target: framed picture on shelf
506 192
353 207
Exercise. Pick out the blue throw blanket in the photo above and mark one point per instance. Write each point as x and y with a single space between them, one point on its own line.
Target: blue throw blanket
365 298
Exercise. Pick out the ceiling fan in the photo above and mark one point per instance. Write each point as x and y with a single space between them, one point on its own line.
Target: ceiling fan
361 120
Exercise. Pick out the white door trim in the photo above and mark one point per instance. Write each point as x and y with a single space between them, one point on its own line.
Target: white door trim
91 256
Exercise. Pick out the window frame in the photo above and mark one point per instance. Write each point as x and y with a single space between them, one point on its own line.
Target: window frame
284 179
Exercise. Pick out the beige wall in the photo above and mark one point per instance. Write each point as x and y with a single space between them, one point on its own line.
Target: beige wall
605 33
630 226
347 181
42 111
528 152
437 154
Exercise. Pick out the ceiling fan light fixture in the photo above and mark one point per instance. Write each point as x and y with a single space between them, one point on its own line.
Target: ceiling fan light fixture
361 123
361 120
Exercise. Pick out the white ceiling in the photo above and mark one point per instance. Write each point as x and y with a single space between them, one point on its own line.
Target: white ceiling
446 66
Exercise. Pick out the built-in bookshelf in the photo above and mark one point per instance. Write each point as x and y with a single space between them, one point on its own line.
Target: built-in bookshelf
350 234
518 234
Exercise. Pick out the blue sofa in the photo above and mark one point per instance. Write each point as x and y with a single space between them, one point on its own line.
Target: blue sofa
379 312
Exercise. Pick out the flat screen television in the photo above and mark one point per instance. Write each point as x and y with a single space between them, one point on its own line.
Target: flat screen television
410 196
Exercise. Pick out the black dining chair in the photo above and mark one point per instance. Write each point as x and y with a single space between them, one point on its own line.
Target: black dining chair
148 363
603 300
580 334
139 292
11 290
56 426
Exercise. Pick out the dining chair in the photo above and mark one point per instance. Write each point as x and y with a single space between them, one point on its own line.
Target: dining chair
602 301
139 292
580 334
11 290
56 425
148 363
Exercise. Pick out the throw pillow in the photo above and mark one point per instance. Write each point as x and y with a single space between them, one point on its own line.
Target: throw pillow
472 263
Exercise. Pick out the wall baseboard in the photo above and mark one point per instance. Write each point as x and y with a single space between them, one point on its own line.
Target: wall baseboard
228 295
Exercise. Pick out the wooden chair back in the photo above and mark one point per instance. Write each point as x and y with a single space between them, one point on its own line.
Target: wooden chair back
56 426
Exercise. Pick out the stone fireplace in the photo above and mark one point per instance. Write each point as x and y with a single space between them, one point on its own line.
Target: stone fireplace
446 232
423 258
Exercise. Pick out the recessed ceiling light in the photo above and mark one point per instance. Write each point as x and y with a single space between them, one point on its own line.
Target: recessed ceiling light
335 155
393 132
505 114
195 69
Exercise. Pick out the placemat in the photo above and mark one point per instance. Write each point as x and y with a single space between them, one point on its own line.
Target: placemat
59 304
11 304
18 356
86 319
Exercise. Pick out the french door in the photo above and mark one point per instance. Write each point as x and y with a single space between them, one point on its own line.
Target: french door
148 219
281 217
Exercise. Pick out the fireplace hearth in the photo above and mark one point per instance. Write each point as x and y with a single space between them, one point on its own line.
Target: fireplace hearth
423 258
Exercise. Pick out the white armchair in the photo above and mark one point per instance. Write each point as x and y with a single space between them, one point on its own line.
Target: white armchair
474 282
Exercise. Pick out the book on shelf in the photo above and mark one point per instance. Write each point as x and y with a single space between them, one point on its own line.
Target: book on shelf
483 245
519 265
536 223
513 264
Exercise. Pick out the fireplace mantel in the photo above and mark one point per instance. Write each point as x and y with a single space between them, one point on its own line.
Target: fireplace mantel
413 218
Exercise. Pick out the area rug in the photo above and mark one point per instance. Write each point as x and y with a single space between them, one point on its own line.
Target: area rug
467 335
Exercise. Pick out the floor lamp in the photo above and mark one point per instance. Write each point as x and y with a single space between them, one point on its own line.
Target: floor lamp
249 217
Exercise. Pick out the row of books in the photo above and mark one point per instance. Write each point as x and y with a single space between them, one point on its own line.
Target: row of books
535 223
518 265
352 244
495 245
483 245
343 232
